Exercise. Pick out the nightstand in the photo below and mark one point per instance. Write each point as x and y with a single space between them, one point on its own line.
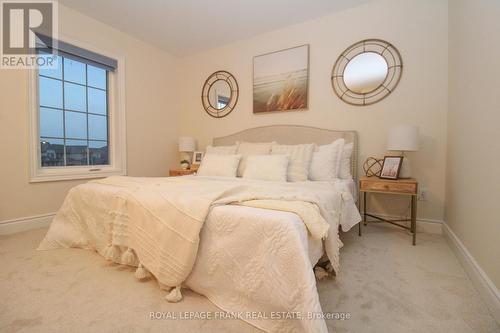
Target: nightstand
405 187
181 172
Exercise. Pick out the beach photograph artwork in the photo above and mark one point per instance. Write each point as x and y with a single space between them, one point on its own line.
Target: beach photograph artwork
280 80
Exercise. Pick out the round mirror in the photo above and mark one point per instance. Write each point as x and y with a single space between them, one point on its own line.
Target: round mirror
220 94
365 72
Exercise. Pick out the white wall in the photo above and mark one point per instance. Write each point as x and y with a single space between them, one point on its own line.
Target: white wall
418 28
151 111
473 179
155 81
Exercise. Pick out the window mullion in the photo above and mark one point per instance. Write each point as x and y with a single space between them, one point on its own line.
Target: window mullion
87 111
64 114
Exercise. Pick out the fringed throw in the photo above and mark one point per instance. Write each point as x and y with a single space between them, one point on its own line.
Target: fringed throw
112 252
174 295
129 258
141 272
320 273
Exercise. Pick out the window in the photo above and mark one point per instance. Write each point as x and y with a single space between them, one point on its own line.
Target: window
77 118
73 114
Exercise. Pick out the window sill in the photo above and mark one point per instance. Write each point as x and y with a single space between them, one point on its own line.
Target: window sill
52 177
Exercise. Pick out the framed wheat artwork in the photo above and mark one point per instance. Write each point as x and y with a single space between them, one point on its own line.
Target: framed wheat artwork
281 80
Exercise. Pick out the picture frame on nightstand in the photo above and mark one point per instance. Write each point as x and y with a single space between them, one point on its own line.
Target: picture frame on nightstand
391 167
197 157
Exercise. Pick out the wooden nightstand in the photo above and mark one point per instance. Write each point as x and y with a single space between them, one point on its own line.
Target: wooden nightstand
181 172
407 187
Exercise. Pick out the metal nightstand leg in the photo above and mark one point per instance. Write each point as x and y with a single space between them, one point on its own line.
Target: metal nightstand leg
364 208
364 214
414 218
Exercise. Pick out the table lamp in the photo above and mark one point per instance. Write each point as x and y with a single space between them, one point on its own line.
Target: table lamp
187 145
403 138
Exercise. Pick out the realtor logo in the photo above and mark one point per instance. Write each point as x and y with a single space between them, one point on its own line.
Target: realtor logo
27 28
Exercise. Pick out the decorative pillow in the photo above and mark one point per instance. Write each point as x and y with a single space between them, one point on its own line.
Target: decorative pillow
300 160
219 165
325 162
222 150
266 167
345 161
249 148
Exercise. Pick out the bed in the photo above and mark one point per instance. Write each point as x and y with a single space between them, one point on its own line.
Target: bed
251 258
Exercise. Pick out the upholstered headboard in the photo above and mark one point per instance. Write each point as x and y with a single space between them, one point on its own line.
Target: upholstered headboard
292 135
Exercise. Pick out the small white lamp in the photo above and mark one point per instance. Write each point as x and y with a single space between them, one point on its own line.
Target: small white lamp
187 145
403 138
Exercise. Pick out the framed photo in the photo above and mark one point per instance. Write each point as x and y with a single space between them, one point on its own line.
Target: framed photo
281 80
391 167
197 157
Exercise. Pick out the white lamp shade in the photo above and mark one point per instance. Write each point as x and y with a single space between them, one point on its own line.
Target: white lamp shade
187 143
403 138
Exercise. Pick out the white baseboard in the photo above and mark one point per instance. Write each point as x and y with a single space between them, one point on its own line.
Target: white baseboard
486 288
25 223
428 226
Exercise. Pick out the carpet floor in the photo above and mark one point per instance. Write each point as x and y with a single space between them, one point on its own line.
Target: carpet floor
386 285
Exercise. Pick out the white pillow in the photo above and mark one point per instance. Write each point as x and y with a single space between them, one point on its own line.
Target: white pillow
266 167
325 162
222 150
249 148
219 165
300 160
345 161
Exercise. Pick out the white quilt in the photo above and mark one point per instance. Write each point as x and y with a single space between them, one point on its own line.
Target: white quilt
275 272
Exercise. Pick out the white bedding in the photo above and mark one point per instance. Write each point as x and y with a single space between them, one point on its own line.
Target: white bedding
350 185
249 259
252 259
231 241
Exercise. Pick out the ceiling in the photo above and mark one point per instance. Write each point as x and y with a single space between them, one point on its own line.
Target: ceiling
183 27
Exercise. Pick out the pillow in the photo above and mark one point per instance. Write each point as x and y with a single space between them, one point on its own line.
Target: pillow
345 161
325 162
300 160
219 165
249 148
222 150
266 167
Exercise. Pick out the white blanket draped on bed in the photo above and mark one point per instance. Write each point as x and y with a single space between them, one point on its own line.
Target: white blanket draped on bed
161 218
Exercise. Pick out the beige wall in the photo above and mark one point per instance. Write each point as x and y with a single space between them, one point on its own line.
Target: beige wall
473 179
151 111
419 31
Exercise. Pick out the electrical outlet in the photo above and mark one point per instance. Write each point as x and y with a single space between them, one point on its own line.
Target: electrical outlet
422 194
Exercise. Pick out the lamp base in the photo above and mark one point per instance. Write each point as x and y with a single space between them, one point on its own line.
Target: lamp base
405 171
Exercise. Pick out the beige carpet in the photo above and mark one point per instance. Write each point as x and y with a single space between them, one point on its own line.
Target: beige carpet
386 285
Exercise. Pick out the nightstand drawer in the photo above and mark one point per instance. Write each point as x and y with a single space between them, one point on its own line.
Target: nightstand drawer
393 187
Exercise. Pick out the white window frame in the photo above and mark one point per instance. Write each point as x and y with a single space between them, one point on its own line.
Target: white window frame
116 131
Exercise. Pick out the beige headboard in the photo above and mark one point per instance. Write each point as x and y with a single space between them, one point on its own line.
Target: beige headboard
292 135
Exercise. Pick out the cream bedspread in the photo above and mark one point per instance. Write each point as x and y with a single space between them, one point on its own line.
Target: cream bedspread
161 218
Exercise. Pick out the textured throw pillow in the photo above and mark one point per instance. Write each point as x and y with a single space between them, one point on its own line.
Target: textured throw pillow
300 160
325 162
222 150
249 148
219 165
345 161
266 167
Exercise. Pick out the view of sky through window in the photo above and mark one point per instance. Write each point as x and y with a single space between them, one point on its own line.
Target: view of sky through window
73 114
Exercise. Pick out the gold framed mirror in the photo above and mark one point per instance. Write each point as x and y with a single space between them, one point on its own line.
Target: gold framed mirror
367 72
220 94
